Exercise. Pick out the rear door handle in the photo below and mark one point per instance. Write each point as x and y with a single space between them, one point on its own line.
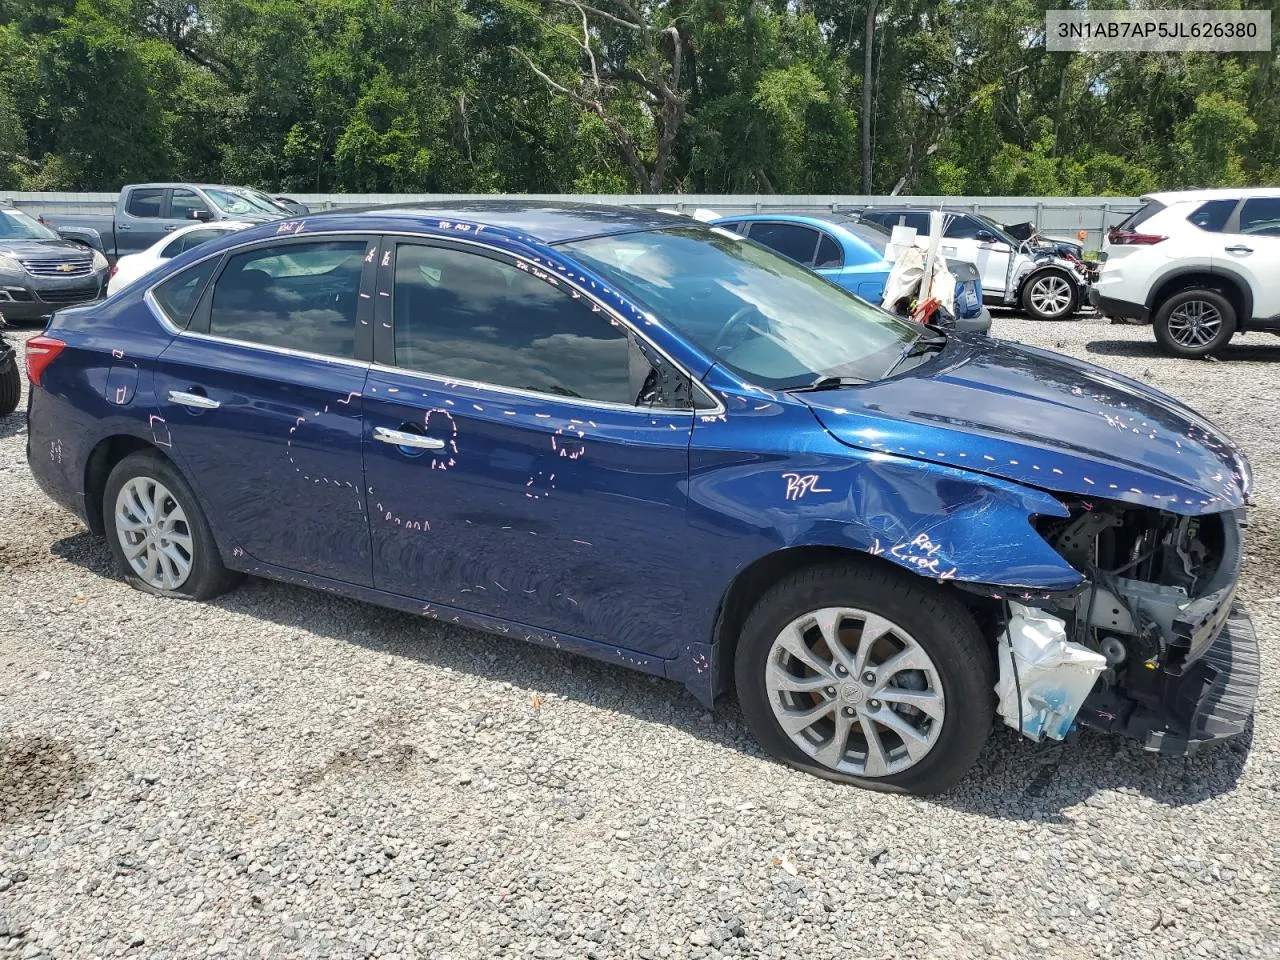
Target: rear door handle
400 438
193 400
1239 248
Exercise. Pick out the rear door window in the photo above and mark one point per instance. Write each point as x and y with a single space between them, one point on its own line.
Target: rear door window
302 296
145 203
792 240
1260 216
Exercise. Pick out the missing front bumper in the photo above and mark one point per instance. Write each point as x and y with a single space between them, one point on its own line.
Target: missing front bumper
1212 699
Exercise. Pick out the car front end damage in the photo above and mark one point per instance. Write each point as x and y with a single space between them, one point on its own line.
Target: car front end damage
1153 643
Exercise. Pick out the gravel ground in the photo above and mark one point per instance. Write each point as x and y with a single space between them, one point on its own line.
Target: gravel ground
283 773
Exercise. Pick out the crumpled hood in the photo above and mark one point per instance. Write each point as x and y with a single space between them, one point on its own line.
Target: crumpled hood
1045 420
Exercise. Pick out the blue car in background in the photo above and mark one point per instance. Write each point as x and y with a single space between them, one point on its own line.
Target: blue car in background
649 441
851 253
834 249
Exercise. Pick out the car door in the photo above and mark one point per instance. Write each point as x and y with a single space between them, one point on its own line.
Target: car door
141 222
510 470
970 240
260 400
1250 245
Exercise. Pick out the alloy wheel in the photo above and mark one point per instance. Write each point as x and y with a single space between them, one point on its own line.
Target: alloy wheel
855 692
154 533
1051 295
1194 323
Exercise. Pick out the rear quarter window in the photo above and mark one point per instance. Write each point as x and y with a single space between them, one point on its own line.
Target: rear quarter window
1212 215
179 295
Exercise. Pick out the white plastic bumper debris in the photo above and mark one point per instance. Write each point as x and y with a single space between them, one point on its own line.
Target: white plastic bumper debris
1053 674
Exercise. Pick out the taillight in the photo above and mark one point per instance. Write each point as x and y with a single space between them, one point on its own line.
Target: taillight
1131 238
114 268
41 351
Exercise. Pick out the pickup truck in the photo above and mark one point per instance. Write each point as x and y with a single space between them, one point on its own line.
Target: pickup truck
145 212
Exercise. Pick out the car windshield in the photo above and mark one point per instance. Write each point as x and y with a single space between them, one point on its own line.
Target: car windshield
16 225
762 316
238 202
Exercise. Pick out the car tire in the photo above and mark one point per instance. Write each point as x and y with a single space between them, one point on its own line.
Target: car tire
157 532
1050 295
10 389
1195 323
922 618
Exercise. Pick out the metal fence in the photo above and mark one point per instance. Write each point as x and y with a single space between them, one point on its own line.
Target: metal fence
1056 216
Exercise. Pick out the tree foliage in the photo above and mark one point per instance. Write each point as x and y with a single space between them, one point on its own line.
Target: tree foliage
372 96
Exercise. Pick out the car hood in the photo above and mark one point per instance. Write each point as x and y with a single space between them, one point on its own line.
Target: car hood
1044 420
38 248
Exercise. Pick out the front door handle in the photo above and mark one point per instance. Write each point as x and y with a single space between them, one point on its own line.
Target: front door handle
401 438
193 400
1239 248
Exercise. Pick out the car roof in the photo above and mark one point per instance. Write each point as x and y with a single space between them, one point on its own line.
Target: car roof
541 221
1218 193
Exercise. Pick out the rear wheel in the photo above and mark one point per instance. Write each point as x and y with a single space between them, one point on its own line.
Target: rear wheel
10 389
1050 295
1194 323
866 676
158 533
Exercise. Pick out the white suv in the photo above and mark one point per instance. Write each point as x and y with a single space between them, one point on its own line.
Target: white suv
1200 265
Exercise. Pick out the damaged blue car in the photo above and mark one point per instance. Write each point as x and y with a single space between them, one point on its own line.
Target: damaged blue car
650 441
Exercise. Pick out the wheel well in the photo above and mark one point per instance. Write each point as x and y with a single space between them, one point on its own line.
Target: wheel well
1221 283
102 459
757 577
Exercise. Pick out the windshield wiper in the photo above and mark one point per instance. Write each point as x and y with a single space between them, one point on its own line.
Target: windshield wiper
921 344
827 383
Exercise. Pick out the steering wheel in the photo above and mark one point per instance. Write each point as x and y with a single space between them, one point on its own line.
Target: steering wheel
739 315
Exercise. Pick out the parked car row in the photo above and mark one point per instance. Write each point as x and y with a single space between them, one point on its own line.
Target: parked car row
1039 279
658 443
853 254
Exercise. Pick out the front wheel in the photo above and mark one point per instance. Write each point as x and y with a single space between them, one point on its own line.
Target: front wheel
157 532
1050 295
866 676
1195 323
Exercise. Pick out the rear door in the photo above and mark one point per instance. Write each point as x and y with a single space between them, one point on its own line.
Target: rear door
1250 245
261 402
523 459
141 220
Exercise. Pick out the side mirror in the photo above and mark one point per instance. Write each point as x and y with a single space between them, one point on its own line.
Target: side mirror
986 236
204 216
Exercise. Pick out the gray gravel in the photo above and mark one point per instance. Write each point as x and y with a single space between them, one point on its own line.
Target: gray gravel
282 773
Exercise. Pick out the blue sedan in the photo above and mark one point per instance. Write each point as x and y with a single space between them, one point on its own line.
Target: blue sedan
645 440
839 250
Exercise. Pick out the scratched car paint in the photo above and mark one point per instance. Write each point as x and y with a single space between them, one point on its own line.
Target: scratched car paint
747 497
